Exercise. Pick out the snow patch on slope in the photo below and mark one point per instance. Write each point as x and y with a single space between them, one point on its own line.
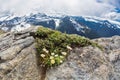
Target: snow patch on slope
21 27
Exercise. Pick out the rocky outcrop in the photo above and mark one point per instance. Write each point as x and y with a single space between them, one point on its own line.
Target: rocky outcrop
90 63
18 60
17 56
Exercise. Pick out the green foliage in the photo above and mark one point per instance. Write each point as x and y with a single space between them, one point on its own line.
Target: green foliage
53 46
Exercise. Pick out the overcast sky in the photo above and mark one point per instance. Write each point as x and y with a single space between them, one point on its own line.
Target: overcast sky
100 8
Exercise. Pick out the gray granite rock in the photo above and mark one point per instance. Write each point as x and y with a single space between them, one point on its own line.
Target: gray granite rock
90 63
18 56
18 60
82 64
23 66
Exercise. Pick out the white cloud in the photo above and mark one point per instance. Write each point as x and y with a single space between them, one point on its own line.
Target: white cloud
112 16
115 3
71 7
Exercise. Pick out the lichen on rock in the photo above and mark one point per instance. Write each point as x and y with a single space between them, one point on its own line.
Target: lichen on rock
1 32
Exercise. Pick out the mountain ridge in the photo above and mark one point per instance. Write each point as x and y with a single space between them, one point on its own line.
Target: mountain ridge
91 27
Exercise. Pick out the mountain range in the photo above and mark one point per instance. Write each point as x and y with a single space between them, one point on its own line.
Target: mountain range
90 27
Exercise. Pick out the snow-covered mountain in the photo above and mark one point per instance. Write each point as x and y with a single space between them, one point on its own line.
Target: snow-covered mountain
90 27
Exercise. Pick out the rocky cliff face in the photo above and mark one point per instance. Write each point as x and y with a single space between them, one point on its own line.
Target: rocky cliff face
18 60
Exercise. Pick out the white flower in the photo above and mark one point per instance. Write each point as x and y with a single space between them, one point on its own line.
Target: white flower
42 55
61 57
52 54
61 61
51 57
64 53
68 47
52 61
45 50
56 55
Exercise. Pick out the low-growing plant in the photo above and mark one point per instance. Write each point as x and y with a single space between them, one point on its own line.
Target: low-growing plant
53 46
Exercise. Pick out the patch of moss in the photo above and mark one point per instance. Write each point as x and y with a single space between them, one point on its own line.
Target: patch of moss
53 46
